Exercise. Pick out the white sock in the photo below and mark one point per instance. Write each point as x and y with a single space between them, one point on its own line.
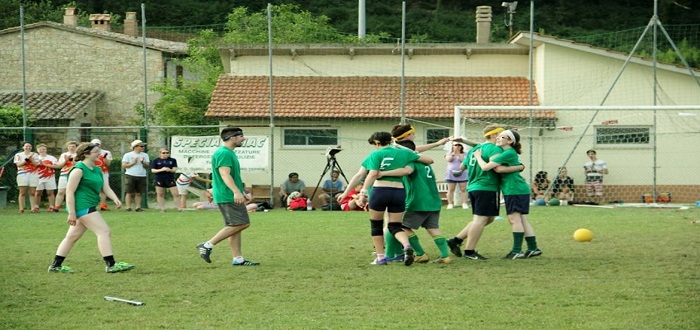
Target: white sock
238 259
208 245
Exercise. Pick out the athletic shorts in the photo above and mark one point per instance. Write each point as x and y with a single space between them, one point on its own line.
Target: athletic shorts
391 199
47 184
517 203
594 188
182 189
165 183
484 203
134 184
85 212
425 219
62 181
27 179
234 214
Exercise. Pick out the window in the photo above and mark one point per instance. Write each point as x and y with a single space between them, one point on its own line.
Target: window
310 137
629 135
436 134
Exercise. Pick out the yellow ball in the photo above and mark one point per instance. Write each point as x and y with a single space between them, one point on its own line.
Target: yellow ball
583 235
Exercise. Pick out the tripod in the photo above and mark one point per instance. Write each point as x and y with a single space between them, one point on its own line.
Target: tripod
331 165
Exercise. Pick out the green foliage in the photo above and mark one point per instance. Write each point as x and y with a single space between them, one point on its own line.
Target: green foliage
690 54
11 115
314 274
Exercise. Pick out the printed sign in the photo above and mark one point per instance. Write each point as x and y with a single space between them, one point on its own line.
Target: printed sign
193 153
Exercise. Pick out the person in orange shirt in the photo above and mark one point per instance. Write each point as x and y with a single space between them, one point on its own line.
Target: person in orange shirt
103 162
27 179
65 161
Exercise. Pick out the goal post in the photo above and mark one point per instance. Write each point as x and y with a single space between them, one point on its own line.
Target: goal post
650 151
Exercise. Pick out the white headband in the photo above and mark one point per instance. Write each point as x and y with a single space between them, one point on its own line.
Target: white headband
510 135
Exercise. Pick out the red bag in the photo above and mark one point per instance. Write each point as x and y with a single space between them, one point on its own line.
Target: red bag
298 204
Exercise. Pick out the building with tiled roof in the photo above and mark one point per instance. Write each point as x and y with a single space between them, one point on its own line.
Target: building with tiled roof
323 95
63 61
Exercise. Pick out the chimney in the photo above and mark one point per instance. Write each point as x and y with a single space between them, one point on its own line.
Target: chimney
101 22
131 24
483 24
70 18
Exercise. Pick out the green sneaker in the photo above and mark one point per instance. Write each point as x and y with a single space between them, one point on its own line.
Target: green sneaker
60 269
119 267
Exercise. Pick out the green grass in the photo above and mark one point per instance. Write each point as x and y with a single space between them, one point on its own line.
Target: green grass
641 271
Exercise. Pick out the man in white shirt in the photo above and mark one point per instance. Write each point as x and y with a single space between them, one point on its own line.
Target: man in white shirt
594 170
135 163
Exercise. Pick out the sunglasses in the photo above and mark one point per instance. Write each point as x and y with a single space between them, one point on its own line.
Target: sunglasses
164 152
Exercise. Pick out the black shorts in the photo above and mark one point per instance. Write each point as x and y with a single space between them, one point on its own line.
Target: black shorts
484 203
165 183
134 184
517 203
390 199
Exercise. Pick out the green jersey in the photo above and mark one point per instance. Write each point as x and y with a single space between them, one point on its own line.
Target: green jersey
421 189
390 158
87 194
225 157
511 183
478 178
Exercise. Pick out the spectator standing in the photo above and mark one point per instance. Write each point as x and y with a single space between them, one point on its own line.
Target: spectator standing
164 167
103 162
46 170
291 185
66 161
594 170
456 177
135 176
27 178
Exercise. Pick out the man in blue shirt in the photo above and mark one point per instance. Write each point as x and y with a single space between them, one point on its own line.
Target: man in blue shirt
331 187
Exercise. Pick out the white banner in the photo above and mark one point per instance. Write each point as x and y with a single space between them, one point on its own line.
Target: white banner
193 153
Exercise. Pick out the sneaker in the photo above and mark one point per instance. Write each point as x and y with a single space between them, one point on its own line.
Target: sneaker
55 210
465 205
128 209
421 259
455 248
377 262
60 269
533 253
398 257
138 209
475 256
103 207
245 263
409 256
35 209
514 255
119 267
450 206
204 252
445 260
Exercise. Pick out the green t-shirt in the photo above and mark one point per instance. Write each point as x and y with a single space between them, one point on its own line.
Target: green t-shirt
478 178
511 183
389 158
225 157
421 189
87 194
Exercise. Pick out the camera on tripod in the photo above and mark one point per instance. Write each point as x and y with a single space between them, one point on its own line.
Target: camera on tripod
331 151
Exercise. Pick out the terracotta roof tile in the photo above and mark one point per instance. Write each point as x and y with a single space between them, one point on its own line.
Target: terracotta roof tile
367 97
52 105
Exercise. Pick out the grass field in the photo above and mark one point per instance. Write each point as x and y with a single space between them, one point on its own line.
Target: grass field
641 271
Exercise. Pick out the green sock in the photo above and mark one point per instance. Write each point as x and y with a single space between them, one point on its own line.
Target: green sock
531 243
415 244
518 242
390 245
441 243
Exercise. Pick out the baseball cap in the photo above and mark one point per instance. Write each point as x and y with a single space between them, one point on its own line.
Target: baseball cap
137 143
96 141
